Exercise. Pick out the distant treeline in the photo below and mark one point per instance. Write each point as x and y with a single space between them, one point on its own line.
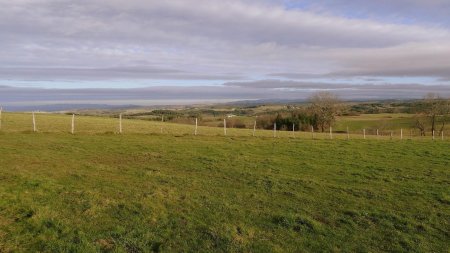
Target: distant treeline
431 113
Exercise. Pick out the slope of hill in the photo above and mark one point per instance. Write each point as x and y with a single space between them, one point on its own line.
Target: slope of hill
61 123
137 192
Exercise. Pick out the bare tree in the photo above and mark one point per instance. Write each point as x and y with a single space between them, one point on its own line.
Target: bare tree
420 124
324 107
445 113
433 110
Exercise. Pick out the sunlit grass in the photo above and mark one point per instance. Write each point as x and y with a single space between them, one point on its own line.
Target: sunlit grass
60 123
143 192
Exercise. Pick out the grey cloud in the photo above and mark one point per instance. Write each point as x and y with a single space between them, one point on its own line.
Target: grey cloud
432 11
296 75
414 59
410 60
162 21
32 95
280 84
206 39
400 71
373 79
113 73
264 89
406 88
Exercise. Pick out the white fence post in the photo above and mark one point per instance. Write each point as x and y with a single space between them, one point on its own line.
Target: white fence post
225 127
401 134
254 128
433 134
274 130
34 123
196 126
364 133
331 133
120 123
73 124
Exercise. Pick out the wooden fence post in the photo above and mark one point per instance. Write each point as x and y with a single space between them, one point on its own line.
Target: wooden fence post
442 135
433 134
274 130
120 123
364 133
254 128
196 126
378 134
34 123
73 124
225 127
331 133
401 134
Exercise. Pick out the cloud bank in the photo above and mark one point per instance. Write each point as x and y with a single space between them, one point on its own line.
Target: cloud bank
13 97
59 44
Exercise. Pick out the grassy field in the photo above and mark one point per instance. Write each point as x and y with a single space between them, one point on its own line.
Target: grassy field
382 121
370 122
61 123
143 192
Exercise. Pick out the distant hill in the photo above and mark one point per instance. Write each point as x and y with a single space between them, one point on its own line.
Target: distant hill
65 107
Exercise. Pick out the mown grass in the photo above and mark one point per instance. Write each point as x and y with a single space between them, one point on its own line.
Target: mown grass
141 192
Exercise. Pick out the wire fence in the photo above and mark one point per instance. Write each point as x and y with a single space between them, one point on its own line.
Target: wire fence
61 123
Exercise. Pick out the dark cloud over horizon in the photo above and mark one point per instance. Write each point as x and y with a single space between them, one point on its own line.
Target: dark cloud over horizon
105 74
167 95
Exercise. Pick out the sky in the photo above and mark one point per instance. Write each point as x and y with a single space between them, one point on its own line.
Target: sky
142 51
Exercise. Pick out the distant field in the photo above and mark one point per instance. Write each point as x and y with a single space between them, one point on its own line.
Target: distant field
151 192
383 121
60 123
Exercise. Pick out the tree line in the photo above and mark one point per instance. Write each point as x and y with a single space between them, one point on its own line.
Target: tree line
320 114
432 113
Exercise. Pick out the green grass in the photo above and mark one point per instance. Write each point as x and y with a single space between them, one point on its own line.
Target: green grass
140 192
60 123
384 122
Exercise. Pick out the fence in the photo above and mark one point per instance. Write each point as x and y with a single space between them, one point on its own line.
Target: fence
59 123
